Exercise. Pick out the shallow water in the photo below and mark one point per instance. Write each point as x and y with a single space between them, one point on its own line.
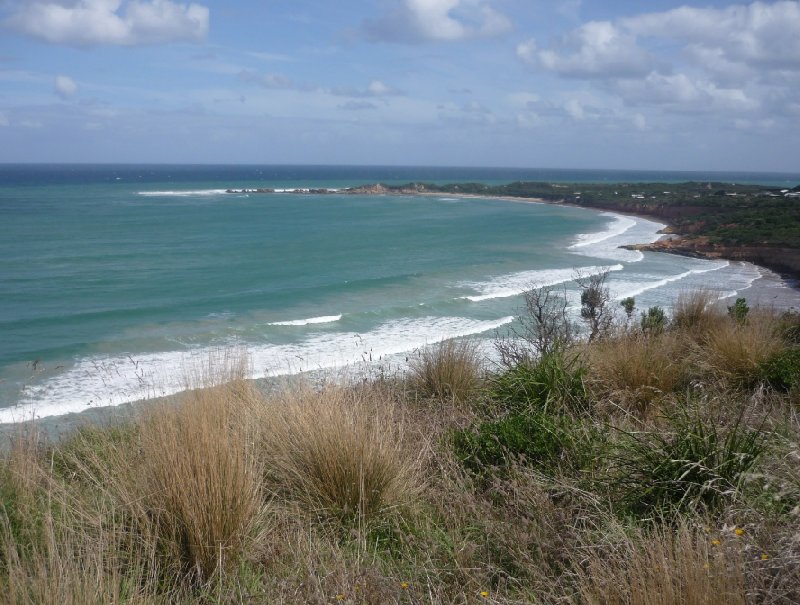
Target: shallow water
118 288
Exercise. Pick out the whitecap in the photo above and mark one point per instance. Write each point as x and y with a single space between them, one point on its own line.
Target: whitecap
621 231
514 284
114 380
620 292
324 319
185 193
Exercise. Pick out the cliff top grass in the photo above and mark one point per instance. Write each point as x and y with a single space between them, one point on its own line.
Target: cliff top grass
658 463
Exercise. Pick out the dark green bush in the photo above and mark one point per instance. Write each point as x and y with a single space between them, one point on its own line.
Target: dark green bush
782 372
555 383
739 310
654 320
535 439
695 465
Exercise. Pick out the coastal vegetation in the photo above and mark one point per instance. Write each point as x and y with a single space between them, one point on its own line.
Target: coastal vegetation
657 462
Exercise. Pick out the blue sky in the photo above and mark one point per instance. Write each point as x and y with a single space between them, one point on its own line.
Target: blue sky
580 84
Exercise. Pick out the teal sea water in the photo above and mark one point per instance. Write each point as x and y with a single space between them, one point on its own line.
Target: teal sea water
118 280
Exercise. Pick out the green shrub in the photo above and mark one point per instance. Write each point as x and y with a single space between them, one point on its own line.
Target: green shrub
535 439
554 383
782 371
629 304
693 465
739 310
654 321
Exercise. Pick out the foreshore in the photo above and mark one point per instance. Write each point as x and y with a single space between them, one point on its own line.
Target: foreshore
766 290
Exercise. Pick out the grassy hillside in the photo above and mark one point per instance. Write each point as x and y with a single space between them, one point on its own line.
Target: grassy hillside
658 463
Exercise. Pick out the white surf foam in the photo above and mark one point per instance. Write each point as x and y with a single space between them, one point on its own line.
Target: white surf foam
111 381
515 284
619 226
621 231
193 192
324 319
620 292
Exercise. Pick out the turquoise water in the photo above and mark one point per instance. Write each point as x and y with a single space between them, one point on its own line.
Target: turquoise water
117 281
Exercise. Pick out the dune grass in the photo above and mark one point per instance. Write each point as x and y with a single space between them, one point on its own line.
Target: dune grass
645 467
449 370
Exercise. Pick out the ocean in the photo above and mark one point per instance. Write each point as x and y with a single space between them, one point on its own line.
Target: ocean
119 282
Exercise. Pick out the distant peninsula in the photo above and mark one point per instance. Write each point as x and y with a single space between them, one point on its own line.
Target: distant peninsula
705 219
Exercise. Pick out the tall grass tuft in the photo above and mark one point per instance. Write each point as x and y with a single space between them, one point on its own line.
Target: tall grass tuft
635 369
339 452
694 312
202 482
450 370
664 567
735 351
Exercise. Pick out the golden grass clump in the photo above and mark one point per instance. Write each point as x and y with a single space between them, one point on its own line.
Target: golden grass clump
735 350
664 567
202 480
695 312
339 451
450 370
636 369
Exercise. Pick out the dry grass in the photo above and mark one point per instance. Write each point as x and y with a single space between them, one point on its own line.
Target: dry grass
201 481
663 568
734 351
695 312
339 451
356 495
634 370
450 370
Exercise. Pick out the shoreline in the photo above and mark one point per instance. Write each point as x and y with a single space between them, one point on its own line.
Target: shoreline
729 253
65 423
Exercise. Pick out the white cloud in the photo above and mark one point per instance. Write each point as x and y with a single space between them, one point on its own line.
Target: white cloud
681 90
757 34
438 20
114 22
65 86
595 49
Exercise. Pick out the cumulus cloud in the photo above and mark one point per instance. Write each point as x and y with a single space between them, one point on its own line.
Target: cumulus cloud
437 20
729 43
757 34
595 49
736 60
65 86
111 22
679 90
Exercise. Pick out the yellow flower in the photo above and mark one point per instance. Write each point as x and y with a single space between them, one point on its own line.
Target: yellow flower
764 556
706 566
715 542
340 597
404 585
484 593
739 531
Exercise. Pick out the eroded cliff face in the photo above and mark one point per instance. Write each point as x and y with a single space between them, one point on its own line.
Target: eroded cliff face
780 259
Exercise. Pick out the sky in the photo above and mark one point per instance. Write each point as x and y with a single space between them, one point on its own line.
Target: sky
708 85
